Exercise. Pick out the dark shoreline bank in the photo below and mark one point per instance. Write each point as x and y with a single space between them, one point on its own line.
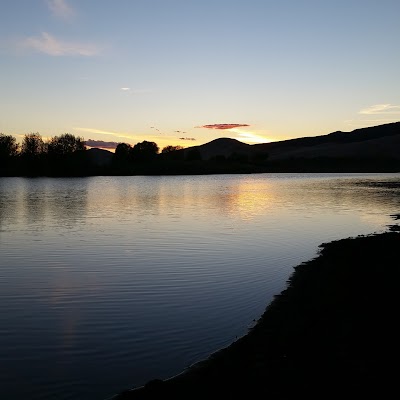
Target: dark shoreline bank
332 332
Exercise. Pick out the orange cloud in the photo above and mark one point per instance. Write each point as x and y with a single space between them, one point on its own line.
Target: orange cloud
222 126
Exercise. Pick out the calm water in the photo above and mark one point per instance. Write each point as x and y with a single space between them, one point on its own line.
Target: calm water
108 282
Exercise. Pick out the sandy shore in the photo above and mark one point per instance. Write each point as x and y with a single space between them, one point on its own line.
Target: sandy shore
332 333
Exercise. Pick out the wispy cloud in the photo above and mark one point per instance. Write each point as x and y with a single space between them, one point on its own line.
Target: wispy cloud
60 9
222 126
102 144
130 91
48 44
101 132
187 138
381 109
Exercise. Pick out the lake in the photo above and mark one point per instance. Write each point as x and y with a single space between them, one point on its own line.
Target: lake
108 282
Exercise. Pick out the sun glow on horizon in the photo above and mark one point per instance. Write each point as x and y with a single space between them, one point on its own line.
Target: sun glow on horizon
249 137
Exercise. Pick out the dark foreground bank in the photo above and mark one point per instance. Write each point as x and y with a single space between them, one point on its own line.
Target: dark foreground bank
333 333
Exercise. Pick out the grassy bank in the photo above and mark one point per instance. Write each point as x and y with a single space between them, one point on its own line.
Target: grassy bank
332 333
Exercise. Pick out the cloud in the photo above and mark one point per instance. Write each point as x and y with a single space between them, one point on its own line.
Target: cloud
381 109
48 44
99 131
101 144
222 126
187 138
131 91
60 9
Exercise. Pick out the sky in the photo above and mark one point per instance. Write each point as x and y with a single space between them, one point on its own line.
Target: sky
185 72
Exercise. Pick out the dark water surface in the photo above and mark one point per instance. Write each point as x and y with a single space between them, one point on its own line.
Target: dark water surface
107 282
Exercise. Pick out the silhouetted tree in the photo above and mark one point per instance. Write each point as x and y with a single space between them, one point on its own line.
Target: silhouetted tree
169 149
8 149
65 144
122 151
144 151
67 156
172 153
32 152
121 158
32 146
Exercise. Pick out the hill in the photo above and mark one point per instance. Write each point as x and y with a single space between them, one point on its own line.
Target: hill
99 157
220 147
382 141
373 142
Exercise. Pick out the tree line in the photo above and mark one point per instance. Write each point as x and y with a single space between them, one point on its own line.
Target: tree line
35 156
67 155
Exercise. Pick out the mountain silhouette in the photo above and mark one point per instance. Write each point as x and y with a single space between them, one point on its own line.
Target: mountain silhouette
99 157
382 141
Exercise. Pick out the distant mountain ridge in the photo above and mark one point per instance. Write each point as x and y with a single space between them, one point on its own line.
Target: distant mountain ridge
377 141
374 148
100 157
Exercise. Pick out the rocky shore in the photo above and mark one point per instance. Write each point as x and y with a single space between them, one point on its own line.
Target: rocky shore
332 333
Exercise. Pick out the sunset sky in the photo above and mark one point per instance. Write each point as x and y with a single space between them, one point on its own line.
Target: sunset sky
184 72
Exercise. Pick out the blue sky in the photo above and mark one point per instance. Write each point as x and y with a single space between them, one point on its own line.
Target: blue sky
184 72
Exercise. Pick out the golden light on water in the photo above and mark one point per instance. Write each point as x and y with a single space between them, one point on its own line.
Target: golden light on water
252 198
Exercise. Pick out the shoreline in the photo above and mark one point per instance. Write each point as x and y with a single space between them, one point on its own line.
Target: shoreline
331 332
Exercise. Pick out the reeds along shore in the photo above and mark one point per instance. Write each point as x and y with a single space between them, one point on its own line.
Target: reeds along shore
332 333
